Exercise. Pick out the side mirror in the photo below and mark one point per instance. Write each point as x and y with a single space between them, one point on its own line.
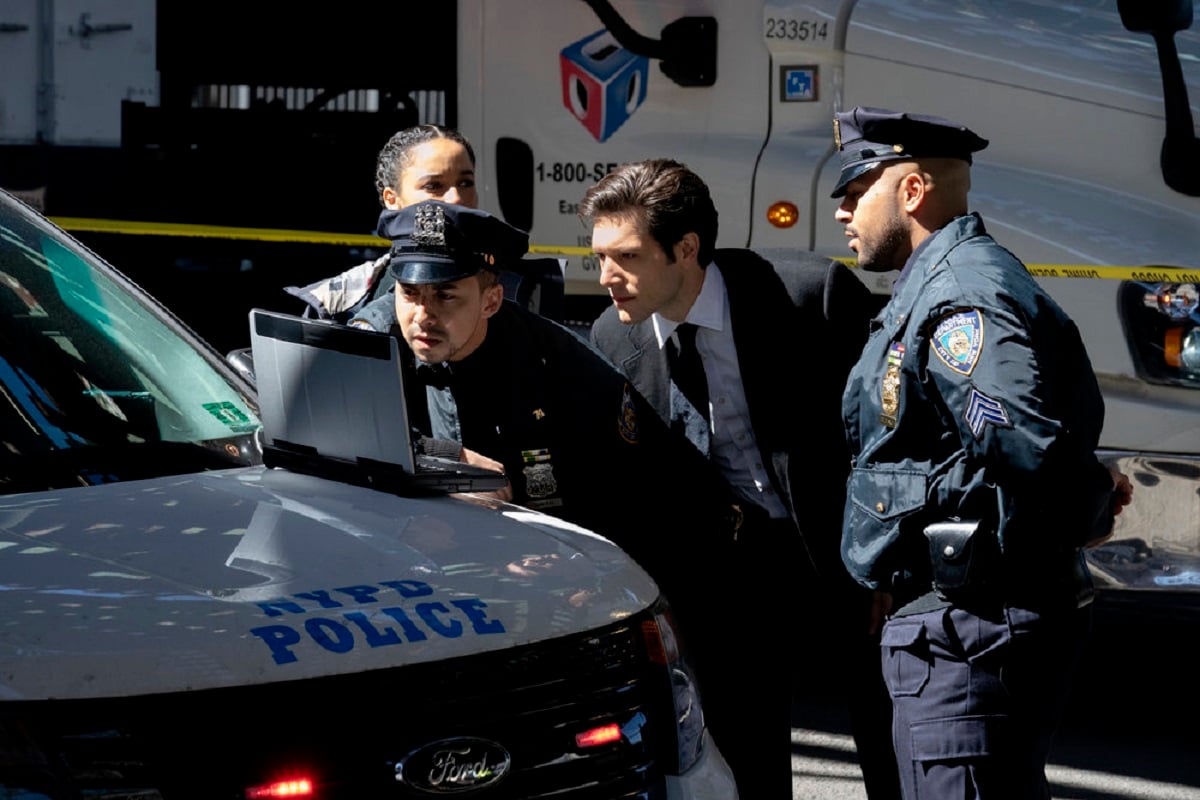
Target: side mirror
687 50
1154 16
242 361
1162 19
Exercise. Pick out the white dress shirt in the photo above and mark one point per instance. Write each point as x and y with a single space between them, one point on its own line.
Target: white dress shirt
732 446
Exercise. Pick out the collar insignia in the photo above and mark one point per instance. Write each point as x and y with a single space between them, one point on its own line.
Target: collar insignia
627 424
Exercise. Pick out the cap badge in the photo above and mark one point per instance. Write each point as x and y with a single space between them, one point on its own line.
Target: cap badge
837 133
429 226
898 148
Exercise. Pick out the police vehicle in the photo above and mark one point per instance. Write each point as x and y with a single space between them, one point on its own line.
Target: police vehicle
199 120
180 621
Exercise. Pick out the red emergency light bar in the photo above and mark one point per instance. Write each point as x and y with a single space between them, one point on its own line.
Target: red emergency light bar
295 788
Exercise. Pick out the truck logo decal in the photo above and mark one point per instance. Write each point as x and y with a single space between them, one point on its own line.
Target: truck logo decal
602 82
453 766
382 627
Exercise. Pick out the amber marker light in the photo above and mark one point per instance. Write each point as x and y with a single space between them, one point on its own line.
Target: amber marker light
1173 347
783 214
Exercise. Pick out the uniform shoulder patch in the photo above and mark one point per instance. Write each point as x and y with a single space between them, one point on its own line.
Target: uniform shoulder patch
627 424
958 340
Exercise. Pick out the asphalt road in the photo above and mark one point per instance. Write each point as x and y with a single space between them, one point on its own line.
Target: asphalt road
1132 730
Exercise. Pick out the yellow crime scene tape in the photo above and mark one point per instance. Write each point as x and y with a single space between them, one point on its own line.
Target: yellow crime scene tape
1151 274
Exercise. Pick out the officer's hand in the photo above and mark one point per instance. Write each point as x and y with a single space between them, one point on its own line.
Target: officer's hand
1122 489
480 460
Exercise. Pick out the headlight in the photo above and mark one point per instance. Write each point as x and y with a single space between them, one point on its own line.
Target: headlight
665 649
1182 350
1162 326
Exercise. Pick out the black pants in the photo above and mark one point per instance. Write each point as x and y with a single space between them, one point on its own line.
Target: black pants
743 653
755 617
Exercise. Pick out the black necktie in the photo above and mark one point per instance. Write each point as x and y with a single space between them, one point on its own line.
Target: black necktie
687 370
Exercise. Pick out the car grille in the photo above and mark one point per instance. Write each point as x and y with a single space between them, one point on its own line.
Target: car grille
348 732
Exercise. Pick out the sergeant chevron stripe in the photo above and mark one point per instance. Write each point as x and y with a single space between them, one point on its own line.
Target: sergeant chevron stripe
981 410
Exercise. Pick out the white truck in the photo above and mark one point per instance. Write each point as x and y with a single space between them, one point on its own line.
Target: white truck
1092 176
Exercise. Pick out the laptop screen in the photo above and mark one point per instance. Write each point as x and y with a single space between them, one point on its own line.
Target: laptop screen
329 390
332 403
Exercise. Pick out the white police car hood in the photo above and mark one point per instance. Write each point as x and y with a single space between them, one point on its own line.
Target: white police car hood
253 576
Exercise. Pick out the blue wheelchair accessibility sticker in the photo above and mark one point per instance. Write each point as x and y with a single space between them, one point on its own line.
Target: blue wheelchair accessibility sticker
798 84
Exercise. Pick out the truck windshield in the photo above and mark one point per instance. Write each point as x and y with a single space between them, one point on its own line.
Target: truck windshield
97 384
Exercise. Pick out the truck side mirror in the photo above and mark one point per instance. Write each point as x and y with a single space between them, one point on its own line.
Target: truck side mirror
1162 19
687 50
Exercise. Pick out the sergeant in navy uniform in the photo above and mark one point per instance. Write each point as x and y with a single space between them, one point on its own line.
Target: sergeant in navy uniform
973 417
498 385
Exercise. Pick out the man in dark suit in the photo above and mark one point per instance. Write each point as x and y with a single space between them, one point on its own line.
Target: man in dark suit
716 341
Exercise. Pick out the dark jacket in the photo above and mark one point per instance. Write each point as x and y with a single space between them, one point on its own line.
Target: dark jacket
974 399
799 323
577 441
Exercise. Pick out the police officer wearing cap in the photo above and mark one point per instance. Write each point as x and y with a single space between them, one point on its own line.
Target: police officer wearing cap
973 417
574 438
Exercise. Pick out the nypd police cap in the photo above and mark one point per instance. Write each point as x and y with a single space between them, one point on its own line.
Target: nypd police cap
867 137
436 242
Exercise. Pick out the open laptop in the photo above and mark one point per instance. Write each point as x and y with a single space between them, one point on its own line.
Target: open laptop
332 403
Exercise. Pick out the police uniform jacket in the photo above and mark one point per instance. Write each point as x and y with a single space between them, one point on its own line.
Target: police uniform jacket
974 399
577 441
799 322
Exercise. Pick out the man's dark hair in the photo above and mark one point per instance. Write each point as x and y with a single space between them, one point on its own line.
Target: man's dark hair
671 198
396 155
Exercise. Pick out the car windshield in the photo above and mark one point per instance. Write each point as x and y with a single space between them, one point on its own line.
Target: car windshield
98 384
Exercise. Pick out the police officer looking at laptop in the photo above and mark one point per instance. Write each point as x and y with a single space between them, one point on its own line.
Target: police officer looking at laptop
973 417
573 436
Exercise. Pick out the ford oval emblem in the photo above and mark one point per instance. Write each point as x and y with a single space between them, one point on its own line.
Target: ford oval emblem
451 766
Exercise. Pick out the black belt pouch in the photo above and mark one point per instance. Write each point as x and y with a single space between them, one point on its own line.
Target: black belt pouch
964 556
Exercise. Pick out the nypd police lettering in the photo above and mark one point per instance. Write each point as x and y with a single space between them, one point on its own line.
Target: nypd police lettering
357 594
384 627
